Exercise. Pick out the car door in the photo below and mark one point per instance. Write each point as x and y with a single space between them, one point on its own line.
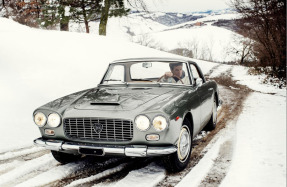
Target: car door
204 92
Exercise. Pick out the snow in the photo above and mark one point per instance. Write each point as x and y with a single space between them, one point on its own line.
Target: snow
48 65
10 155
123 27
27 167
150 175
210 42
240 74
259 157
199 172
259 137
207 42
52 175
39 66
220 70
97 176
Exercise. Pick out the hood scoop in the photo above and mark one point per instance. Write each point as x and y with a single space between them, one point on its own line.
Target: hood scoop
105 103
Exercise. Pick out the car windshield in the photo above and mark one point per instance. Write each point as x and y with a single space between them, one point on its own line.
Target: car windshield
147 72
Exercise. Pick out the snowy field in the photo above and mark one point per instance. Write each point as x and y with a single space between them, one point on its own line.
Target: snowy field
37 66
207 42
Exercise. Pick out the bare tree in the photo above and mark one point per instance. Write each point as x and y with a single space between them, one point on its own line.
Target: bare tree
242 48
191 45
264 21
145 40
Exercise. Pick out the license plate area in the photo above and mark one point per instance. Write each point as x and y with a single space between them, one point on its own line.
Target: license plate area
89 151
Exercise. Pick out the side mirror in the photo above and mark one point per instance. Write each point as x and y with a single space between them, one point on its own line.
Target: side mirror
198 81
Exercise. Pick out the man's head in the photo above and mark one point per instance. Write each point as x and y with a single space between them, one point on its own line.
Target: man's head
176 69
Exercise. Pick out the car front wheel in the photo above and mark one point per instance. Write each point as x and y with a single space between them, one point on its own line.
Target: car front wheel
178 161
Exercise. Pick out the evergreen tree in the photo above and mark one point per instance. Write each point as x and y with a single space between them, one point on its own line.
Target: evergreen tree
55 12
85 11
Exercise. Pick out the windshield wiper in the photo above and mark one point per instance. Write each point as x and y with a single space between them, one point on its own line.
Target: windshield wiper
141 80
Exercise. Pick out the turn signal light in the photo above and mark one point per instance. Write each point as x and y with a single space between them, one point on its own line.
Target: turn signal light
152 137
49 132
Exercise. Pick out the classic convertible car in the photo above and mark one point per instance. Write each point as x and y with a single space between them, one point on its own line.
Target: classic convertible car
141 108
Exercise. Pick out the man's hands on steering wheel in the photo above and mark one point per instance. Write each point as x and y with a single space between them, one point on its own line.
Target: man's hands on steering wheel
168 75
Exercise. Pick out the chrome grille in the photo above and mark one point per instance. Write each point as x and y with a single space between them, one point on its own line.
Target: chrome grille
98 129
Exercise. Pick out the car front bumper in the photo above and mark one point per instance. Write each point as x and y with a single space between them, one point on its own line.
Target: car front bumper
102 150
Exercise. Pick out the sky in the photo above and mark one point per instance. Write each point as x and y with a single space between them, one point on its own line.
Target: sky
185 6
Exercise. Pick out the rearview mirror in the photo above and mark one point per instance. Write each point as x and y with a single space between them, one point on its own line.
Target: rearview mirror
147 65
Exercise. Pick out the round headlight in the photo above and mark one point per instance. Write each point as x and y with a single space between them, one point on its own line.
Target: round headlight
159 123
54 120
142 123
40 119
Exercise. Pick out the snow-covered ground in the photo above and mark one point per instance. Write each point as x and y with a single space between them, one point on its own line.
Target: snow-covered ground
38 66
207 42
258 137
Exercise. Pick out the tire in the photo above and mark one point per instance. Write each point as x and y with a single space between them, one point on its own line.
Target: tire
178 161
65 158
213 119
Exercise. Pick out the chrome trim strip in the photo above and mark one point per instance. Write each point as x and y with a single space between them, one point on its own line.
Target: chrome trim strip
130 150
154 151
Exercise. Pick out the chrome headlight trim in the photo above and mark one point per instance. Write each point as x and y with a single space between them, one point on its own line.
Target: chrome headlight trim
160 123
142 122
54 120
40 119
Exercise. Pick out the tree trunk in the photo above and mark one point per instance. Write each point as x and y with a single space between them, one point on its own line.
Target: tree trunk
85 16
104 18
64 26
87 26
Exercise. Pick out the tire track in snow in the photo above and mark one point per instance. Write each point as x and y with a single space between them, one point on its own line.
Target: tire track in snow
28 168
148 176
90 166
4 168
98 176
52 175
14 154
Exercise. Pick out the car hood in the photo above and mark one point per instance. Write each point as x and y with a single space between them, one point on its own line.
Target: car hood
118 98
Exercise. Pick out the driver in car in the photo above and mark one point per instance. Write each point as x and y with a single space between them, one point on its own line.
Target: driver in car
176 75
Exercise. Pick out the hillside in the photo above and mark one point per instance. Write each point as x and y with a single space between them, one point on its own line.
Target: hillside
169 31
38 66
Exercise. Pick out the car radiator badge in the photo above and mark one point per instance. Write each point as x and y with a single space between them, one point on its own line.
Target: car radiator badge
98 127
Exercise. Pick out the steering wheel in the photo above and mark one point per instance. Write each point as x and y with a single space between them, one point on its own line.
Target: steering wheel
174 76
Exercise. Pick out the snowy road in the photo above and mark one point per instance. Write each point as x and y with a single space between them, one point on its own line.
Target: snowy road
36 167
248 147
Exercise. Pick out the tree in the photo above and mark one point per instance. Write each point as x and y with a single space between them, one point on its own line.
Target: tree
25 12
117 8
111 8
85 11
264 21
55 12
81 11
243 48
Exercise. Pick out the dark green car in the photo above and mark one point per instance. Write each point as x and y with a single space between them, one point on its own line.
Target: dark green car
141 108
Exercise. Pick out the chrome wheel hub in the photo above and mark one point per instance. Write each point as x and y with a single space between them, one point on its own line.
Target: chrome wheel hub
184 143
